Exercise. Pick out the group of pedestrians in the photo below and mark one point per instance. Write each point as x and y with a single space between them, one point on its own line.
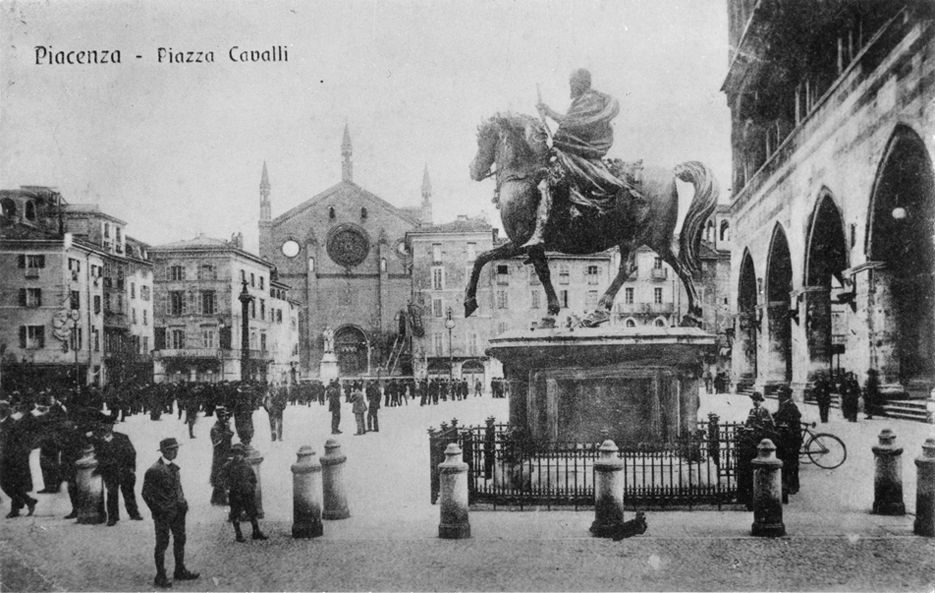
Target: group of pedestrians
847 386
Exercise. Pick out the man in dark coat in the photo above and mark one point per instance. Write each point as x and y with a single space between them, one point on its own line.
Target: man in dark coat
333 392
15 447
871 392
116 462
162 492
822 392
789 423
373 406
242 482
221 437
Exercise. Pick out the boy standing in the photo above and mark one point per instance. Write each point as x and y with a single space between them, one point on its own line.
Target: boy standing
242 495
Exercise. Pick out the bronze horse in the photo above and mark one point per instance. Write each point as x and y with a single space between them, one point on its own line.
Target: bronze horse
517 144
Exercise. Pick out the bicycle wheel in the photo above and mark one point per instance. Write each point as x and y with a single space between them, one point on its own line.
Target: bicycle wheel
826 450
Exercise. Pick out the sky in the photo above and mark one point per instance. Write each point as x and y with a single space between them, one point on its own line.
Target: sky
177 149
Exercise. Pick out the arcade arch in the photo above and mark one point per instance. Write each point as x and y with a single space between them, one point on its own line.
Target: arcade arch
351 346
747 319
902 256
778 325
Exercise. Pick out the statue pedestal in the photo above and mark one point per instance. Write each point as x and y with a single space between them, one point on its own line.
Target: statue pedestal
631 385
328 369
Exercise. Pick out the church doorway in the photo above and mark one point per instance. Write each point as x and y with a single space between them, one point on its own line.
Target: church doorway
350 346
902 327
748 326
825 286
778 325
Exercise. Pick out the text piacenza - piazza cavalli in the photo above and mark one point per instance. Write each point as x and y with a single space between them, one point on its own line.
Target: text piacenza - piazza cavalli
48 55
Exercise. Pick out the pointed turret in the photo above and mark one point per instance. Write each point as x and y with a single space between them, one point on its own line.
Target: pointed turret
426 217
264 194
347 165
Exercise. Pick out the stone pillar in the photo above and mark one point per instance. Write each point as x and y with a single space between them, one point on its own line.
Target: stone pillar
767 492
254 458
306 494
925 490
453 496
332 482
608 491
90 489
888 478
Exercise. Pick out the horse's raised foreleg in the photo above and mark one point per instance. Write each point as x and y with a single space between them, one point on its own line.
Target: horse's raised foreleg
541 265
602 313
504 251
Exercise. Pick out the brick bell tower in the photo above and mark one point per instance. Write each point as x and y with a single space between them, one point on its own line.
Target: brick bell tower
265 223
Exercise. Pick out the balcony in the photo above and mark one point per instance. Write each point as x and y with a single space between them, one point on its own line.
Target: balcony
212 353
659 273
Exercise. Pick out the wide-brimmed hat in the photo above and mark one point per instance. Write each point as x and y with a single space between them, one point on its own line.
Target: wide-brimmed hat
756 396
169 443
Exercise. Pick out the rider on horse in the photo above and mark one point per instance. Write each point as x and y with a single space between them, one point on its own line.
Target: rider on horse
583 138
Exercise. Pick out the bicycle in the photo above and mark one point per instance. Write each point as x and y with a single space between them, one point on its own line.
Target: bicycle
821 448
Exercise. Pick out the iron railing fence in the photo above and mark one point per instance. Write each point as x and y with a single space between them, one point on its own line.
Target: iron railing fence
506 469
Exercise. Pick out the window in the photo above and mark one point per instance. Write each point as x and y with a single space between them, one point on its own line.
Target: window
208 338
363 213
438 344
502 300
472 344
563 298
74 338
176 305
630 323
207 272
208 302
533 276
120 310
278 315
536 297
97 304
96 337
262 280
471 251
30 297
177 339
331 214
133 315
263 341
564 273
253 309
243 275
593 274
133 290
657 263
176 273
144 348
628 295
590 301
657 296
659 322
32 264
145 317
436 253
503 274
74 265
252 279
31 337
502 327
144 292
437 308
438 278
107 230
263 309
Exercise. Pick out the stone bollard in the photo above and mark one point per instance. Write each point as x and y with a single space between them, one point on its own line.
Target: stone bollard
453 495
254 458
90 489
608 491
925 490
332 482
306 494
767 492
888 478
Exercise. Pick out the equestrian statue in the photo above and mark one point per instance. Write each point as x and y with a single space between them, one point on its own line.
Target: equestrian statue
568 198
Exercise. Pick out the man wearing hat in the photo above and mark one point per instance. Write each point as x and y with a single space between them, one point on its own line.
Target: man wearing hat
241 480
759 418
221 437
162 492
116 458
15 475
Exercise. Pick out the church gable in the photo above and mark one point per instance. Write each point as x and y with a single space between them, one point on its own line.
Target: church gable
347 198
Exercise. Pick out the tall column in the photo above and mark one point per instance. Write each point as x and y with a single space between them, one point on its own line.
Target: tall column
245 300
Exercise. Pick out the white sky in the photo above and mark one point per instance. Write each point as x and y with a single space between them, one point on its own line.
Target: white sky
177 149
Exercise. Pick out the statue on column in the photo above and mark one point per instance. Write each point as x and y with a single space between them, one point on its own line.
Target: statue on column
328 336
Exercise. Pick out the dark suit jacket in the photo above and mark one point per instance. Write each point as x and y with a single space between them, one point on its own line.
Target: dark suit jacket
116 457
162 491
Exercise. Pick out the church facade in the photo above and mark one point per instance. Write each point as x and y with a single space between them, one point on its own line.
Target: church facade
343 252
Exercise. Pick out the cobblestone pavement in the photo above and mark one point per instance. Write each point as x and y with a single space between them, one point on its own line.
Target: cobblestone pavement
390 543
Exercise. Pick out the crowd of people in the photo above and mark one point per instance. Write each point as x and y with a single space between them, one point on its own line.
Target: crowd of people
847 386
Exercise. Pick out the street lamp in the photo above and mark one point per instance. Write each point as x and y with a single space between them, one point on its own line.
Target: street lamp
75 317
450 324
221 326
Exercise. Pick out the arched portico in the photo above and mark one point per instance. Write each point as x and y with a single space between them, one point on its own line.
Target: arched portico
901 263
778 359
351 348
748 327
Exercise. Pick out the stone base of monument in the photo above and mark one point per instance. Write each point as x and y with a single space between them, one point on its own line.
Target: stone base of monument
328 369
635 386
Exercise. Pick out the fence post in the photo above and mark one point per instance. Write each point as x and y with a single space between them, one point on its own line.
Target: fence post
767 492
489 447
332 480
433 463
90 489
306 498
608 491
454 496
888 479
467 445
925 490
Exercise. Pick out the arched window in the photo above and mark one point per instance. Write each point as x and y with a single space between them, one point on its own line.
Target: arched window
363 213
311 264
659 322
8 208
725 231
30 210
382 264
709 231
630 323
331 212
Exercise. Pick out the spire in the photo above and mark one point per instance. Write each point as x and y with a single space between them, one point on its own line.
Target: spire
426 215
347 165
264 195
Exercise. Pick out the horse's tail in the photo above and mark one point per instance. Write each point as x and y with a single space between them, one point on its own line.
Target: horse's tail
703 204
